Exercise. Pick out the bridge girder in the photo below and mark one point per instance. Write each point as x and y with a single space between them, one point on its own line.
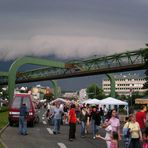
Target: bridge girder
126 61
27 60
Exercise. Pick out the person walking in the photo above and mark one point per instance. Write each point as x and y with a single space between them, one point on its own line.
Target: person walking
72 122
57 118
115 123
141 118
23 120
95 121
108 130
126 132
136 135
83 120
114 143
145 138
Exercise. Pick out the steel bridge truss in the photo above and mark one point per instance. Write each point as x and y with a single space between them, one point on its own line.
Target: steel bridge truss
126 61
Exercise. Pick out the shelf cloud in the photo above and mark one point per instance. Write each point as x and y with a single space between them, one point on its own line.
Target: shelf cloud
71 29
65 47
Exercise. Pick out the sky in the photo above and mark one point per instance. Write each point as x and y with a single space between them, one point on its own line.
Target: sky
70 29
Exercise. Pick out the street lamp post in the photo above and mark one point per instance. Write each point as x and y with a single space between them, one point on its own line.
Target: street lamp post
131 90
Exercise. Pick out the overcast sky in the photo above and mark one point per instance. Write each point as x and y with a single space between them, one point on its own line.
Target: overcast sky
71 28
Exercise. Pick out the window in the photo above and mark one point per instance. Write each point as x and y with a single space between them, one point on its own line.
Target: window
20 100
16 102
26 100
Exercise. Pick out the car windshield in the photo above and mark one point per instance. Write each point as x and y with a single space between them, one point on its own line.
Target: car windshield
21 100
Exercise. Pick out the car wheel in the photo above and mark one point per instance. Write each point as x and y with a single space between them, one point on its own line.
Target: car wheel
10 123
31 123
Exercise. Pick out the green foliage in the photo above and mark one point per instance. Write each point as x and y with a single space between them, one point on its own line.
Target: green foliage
122 111
1 146
3 119
93 91
135 95
3 109
49 97
4 93
122 97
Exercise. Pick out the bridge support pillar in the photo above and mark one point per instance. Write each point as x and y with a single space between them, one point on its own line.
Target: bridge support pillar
112 84
27 60
57 90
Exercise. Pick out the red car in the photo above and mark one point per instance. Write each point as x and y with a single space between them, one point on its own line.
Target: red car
14 109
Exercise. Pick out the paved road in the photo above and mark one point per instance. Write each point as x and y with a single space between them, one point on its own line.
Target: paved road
41 136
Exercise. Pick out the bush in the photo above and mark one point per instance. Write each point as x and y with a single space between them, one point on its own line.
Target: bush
3 109
122 111
1 146
3 119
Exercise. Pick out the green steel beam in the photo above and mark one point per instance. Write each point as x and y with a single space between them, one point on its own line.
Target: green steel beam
3 74
116 60
133 60
27 60
127 61
55 88
112 84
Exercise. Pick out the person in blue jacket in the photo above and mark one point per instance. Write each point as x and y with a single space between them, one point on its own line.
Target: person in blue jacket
23 119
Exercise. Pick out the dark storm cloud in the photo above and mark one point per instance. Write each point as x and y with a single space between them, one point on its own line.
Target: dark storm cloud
67 28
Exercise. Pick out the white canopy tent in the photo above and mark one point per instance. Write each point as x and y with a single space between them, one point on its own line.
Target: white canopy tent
92 101
85 101
58 100
113 101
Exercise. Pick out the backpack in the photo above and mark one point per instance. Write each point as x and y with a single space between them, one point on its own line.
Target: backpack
98 119
127 133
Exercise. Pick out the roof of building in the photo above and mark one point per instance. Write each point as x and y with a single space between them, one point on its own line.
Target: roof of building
129 76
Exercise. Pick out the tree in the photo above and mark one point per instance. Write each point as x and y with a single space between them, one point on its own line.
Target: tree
3 93
122 97
48 97
93 91
146 66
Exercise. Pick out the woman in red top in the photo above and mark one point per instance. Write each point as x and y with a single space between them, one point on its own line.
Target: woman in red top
72 123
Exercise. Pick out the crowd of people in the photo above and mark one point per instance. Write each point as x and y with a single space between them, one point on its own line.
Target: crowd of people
134 132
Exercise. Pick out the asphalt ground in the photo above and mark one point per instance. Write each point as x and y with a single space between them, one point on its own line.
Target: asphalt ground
41 136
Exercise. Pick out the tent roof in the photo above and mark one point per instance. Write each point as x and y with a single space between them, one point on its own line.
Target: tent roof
92 101
112 101
58 100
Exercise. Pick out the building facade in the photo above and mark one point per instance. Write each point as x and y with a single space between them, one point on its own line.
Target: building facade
125 85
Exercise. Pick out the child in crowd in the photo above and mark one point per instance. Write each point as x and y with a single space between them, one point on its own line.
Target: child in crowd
113 140
145 139
126 132
108 129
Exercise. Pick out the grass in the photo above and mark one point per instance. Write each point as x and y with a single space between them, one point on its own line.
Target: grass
3 122
1 146
3 119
